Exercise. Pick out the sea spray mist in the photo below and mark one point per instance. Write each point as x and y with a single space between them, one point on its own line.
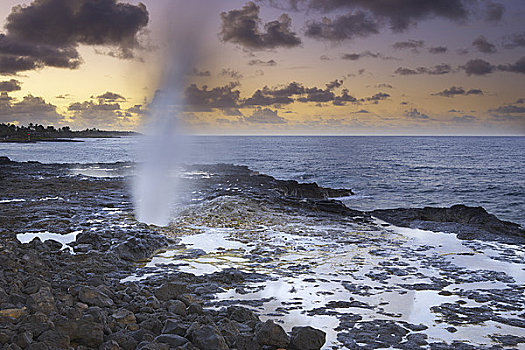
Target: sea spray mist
162 148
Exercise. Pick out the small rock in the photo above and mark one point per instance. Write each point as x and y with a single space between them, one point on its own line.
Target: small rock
13 313
124 317
42 301
170 290
93 296
171 339
195 308
177 307
174 327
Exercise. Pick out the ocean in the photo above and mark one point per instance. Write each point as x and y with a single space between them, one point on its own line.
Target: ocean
383 171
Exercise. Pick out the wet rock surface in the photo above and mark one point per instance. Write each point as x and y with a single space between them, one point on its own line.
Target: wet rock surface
467 222
290 252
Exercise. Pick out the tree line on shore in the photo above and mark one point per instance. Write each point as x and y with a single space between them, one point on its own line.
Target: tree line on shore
37 131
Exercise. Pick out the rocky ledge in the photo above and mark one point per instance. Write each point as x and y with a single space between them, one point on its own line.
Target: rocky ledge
75 295
467 222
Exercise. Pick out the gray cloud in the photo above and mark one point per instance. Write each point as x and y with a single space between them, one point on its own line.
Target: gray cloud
265 116
242 27
508 112
30 109
111 96
464 119
231 73
10 85
202 99
357 56
399 13
47 32
494 11
457 91
478 67
438 49
518 67
269 63
415 114
515 40
483 45
199 73
346 27
413 45
344 98
439 69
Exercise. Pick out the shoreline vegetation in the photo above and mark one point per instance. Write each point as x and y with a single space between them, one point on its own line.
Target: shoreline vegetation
39 133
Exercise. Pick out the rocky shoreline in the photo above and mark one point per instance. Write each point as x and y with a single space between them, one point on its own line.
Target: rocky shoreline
76 296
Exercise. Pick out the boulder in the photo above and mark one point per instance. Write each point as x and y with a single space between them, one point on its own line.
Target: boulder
271 334
307 338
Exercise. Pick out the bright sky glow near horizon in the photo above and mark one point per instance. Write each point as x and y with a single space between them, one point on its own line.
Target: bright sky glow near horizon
436 67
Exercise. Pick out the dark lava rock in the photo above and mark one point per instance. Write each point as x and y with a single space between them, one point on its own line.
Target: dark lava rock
292 188
272 334
171 339
93 296
468 222
307 338
207 337
82 332
170 290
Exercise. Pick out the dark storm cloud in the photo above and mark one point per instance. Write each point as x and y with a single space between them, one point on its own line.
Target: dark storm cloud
518 67
262 63
438 49
47 32
439 69
10 85
457 91
111 96
515 40
242 27
265 116
413 45
346 27
483 45
478 67
220 97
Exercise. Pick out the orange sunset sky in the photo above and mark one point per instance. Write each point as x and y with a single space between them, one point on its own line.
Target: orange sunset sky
268 67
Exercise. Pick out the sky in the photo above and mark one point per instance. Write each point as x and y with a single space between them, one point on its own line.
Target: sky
336 67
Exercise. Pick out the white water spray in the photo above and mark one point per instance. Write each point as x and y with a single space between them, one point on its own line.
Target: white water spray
162 147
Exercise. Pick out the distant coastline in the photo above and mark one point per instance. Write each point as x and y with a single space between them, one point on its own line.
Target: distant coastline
39 133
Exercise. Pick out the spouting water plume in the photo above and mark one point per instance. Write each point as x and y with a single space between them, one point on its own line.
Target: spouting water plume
162 147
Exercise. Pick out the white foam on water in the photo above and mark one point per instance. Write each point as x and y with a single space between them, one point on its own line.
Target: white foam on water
12 200
45 236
